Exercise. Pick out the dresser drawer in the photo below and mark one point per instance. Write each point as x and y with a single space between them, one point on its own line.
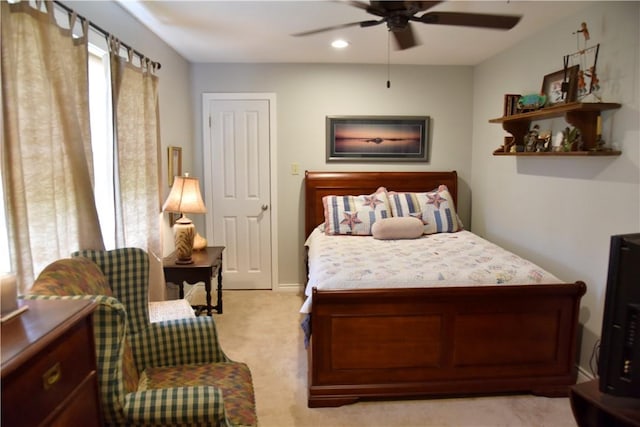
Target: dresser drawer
78 407
43 384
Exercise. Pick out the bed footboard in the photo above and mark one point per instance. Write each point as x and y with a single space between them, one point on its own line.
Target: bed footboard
402 343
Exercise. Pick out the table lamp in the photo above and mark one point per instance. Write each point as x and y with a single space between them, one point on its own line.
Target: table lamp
184 198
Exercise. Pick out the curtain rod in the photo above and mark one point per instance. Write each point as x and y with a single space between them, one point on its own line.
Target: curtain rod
104 32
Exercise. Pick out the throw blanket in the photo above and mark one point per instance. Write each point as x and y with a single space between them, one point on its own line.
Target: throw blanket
435 260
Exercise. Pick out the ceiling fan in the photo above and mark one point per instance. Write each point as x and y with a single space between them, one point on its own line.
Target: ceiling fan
399 14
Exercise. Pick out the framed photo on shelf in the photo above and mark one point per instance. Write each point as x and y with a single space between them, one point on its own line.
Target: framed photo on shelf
377 138
552 86
174 156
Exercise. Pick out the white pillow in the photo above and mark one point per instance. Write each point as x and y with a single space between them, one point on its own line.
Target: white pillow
395 228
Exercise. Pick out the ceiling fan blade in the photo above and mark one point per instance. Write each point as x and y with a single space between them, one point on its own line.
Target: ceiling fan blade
372 22
405 39
358 4
335 27
420 6
498 22
371 7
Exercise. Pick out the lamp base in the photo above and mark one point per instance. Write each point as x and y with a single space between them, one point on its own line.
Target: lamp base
184 232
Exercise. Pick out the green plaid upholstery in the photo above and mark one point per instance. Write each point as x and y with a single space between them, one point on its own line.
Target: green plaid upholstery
127 271
178 342
189 346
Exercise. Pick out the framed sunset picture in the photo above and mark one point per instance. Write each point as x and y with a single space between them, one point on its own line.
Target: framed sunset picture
377 138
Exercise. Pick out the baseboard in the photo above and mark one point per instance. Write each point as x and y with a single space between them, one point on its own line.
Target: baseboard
289 287
584 375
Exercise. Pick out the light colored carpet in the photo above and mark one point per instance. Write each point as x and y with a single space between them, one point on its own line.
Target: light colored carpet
262 329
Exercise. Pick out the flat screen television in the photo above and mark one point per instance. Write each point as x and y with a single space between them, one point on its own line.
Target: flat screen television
619 362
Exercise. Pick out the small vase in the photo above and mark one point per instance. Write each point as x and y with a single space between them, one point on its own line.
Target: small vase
199 242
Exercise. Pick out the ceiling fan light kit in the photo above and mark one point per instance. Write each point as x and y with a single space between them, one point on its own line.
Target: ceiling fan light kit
339 44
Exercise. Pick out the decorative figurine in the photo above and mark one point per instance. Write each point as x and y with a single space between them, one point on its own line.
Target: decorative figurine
584 30
595 81
581 57
531 102
571 136
544 142
531 139
582 85
556 145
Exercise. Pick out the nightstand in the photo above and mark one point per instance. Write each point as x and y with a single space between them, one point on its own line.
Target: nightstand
206 264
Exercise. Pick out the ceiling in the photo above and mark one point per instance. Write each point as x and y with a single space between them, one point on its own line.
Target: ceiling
260 31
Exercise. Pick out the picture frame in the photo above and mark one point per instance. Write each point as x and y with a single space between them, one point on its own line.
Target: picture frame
552 86
174 162
377 138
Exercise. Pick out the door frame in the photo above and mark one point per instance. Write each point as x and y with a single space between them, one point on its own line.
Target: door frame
273 170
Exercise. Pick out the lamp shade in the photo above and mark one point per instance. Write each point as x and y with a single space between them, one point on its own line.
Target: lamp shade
184 196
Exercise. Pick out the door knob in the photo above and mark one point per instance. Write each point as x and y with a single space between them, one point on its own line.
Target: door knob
265 207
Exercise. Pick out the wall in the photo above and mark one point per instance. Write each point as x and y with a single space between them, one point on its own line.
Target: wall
307 93
174 96
561 212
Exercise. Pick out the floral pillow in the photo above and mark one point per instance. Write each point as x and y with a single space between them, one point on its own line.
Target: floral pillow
435 209
355 214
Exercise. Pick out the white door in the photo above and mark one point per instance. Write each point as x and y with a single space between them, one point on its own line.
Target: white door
237 188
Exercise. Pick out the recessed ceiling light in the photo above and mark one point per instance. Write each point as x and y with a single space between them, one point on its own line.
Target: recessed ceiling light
339 44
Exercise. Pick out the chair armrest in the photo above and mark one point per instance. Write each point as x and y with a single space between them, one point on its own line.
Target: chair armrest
201 405
177 342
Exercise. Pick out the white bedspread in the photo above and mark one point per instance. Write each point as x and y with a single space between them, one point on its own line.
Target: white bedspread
435 260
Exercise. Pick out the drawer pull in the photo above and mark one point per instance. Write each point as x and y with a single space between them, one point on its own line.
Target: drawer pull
52 376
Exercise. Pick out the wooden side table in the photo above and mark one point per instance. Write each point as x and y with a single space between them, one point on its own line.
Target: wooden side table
206 264
592 408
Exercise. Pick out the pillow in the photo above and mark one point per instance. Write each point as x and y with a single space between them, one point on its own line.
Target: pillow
435 208
355 214
397 228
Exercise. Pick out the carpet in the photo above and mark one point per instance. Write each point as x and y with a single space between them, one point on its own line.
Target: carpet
262 329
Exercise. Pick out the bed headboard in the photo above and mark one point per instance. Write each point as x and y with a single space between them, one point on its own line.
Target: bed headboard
320 184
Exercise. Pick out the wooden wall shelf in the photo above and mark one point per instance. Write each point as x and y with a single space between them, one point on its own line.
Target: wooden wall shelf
500 152
582 115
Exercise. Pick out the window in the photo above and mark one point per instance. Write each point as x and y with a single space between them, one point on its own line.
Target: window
101 141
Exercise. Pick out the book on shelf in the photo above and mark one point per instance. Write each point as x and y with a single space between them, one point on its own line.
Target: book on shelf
510 104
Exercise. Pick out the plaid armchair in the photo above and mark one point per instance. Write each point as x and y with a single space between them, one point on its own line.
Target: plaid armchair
165 373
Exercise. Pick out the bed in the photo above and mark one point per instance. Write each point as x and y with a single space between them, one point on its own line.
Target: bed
378 343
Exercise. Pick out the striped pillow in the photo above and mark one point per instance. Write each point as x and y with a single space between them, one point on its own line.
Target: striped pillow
355 214
435 208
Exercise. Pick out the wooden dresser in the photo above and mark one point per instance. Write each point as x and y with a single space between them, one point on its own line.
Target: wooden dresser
49 366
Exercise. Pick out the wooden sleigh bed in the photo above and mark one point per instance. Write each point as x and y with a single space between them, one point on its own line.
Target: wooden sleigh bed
418 342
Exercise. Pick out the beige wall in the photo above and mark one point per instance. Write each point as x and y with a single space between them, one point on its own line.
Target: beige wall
306 94
561 212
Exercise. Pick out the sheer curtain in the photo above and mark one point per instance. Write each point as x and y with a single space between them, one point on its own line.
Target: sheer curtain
138 204
46 144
